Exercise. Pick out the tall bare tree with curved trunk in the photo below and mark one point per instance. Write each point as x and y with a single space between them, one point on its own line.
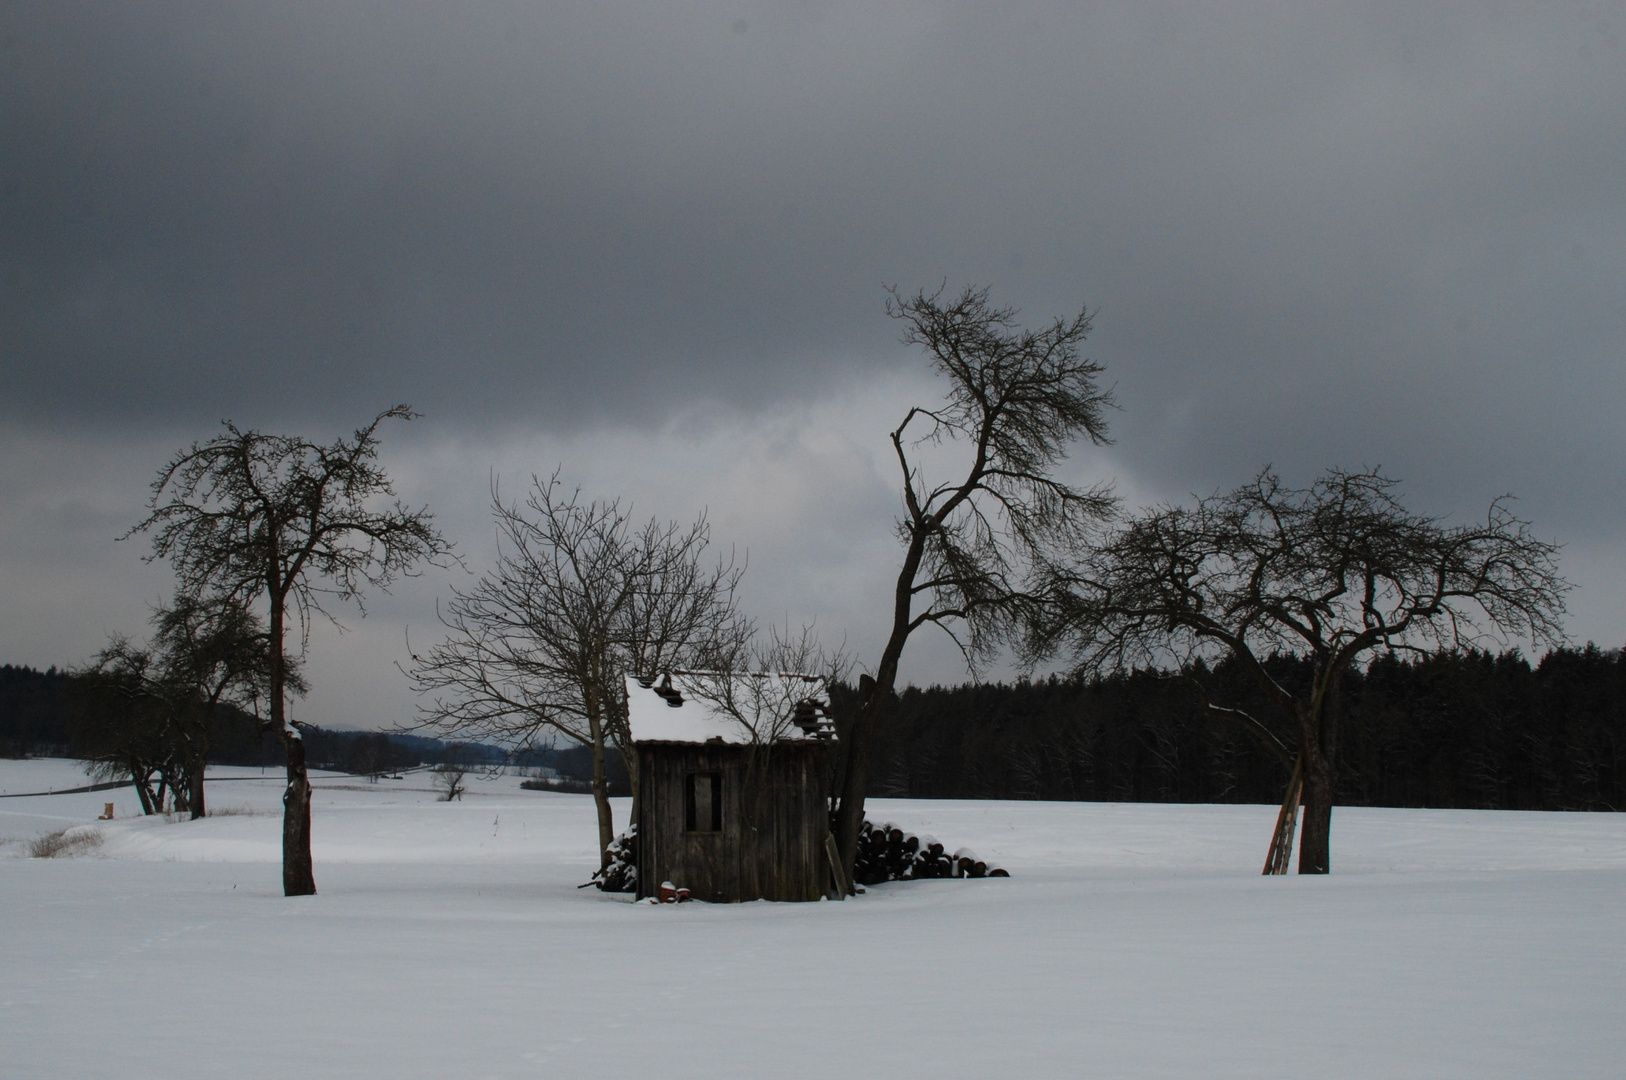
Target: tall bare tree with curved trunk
276 518
1016 401
580 597
1334 572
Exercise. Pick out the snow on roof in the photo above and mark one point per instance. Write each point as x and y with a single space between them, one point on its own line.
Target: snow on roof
703 707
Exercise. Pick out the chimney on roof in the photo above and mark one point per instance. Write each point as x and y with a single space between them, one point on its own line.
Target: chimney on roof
813 717
673 696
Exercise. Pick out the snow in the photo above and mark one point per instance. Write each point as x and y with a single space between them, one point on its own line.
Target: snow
712 708
449 940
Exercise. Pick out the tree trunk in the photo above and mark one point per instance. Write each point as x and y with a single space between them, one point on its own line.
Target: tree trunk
196 796
601 794
198 754
298 876
855 781
1315 845
1320 753
629 758
141 779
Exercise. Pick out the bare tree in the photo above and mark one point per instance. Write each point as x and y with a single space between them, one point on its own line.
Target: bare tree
156 708
1016 400
247 516
579 599
776 686
1333 571
121 720
451 777
214 650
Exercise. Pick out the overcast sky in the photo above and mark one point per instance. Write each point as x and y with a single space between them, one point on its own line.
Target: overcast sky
647 243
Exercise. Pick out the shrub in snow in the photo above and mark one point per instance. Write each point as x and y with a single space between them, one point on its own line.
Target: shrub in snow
65 842
621 875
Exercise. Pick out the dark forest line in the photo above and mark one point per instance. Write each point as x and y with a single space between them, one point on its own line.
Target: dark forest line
41 713
1451 730
1454 730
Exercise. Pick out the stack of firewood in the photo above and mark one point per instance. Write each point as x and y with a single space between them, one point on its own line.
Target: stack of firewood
621 875
885 853
888 853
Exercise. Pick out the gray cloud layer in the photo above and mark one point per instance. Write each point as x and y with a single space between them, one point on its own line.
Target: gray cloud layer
1352 233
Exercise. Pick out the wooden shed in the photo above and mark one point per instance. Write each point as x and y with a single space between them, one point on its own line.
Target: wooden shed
733 785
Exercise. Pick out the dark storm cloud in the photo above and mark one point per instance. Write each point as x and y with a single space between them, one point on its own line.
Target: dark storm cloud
337 204
540 209
1314 233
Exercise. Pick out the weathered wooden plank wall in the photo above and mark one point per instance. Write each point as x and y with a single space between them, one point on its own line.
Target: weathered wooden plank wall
774 821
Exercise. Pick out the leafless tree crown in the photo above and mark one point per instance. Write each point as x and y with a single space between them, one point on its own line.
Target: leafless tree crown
1016 401
779 687
1331 571
247 513
579 598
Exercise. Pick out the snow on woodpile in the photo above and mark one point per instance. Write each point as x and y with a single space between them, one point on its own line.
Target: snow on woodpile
621 875
888 853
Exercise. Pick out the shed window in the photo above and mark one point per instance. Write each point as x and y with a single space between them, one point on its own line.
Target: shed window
703 802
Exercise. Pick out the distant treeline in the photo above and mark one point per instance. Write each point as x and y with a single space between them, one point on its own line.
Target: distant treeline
41 713
1450 730
1465 730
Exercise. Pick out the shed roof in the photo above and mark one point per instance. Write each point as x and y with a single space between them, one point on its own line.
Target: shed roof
738 709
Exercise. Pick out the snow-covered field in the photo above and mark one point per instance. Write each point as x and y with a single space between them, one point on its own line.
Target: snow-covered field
450 941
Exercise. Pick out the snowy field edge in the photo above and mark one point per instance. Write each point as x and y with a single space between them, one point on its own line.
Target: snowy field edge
1134 940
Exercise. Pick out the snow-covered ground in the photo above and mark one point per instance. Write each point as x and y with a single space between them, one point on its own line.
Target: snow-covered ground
450 940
